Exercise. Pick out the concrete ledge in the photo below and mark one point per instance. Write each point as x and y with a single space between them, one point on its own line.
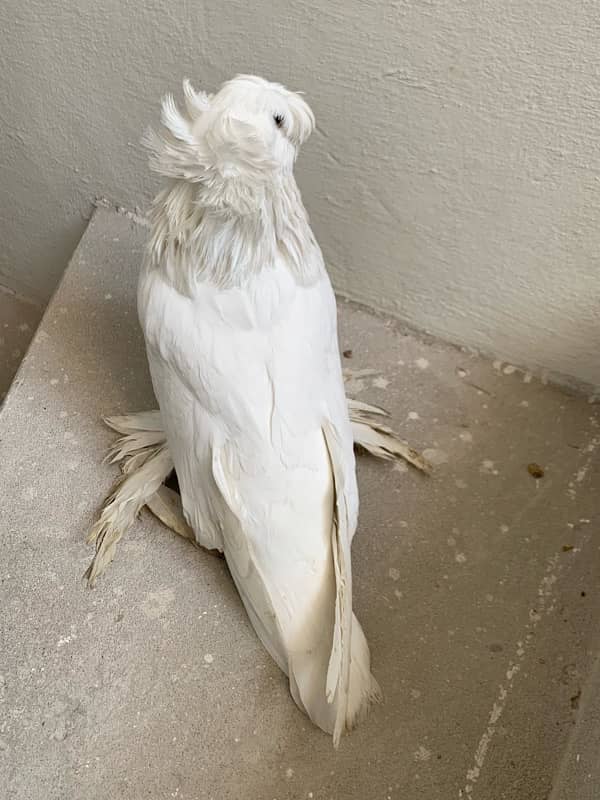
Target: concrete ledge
478 588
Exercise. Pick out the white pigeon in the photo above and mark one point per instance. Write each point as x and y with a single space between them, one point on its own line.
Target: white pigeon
239 320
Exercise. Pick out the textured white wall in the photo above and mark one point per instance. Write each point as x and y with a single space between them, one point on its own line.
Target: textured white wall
454 179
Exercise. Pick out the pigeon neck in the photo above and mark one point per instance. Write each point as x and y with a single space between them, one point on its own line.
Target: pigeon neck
195 242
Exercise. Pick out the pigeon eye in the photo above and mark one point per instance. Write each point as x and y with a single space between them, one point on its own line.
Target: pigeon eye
278 120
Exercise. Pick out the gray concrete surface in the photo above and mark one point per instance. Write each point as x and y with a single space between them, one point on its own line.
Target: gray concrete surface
477 588
578 777
452 179
18 321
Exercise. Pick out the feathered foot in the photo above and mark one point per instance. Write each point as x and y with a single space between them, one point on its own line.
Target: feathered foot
143 474
143 455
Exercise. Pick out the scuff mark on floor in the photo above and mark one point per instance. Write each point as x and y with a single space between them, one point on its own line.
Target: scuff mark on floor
544 605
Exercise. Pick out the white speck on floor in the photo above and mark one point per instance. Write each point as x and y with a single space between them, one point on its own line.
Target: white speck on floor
488 467
435 456
422 363
380 383
504 529
394 573
289 772
509 369
354 386
422 754
415 694
54 382
413 415
108 296
466 436
157 603
524 403
460 558
208 658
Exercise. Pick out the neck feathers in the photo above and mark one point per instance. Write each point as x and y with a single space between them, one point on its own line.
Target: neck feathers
196 242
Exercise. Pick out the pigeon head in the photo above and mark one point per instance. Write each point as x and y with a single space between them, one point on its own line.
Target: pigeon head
236 145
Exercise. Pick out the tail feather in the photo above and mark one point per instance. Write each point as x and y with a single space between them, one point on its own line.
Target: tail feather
359 407
379 440
382 442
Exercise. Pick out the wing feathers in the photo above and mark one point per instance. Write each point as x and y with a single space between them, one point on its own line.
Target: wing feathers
338 672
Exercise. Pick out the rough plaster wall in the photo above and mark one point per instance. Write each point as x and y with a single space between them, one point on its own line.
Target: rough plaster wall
453 179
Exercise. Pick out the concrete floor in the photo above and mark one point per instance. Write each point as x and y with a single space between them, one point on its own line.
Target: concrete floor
477 587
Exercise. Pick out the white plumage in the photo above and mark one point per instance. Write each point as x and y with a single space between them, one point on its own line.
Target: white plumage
239 320
143 455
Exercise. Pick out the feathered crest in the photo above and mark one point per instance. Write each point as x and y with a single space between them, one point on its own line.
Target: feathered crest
195 102
238 140
178 154
230 166
226 158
